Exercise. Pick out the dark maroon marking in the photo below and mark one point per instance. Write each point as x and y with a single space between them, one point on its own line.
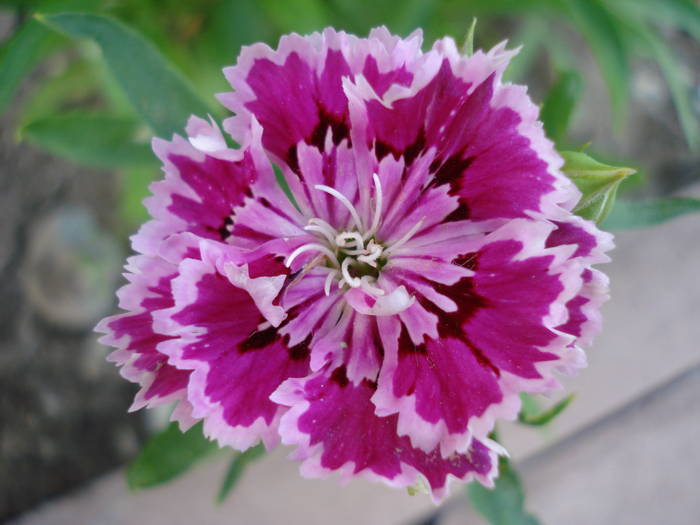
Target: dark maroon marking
450 171
292 160
415 149
381 149
326 120
469 260
340 376
223 230
461 213
301 351
407 346
259 339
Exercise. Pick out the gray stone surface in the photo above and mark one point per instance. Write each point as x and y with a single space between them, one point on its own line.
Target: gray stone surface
637 466
62 407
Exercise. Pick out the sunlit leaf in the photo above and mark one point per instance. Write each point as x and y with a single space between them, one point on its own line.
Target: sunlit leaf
159 94
236 468
167 455
301 16
505 503
629 214
19 56
92 139
597 182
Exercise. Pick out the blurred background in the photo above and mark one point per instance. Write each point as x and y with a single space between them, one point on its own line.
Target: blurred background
75 163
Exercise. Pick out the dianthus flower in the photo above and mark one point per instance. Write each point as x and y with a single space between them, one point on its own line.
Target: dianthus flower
426 270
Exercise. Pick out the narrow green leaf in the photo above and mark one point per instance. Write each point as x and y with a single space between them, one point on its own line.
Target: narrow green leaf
600 29
167 455
504 504
679 88
19 56
629 214
236 468
559 104
468 46
545 417
680 13
159 93
92 139
530 406
598 183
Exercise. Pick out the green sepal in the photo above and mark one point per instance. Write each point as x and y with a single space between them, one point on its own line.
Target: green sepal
597 182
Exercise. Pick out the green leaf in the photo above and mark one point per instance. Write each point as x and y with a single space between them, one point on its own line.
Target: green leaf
158 92
598 183
629 215
98 140
559 104
167 455
542 418
504 504
236 468
600 29
19 56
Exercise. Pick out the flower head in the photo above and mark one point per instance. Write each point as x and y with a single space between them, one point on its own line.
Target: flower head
426 270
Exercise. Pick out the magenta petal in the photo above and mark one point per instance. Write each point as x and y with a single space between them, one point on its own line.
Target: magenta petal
134 338
221 323
333 422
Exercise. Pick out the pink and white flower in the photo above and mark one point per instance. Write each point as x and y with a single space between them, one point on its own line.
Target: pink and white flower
427 270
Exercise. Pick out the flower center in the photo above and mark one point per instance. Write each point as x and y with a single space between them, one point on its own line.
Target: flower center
354 256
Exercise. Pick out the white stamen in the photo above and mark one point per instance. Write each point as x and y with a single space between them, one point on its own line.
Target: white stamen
329 281
311 246
375 251
368 287
345 201
353 282
322 227
403 240
263 326
342 238
378 202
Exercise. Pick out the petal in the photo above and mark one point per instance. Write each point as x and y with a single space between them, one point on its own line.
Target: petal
201 188
222 324
333 423
134 338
